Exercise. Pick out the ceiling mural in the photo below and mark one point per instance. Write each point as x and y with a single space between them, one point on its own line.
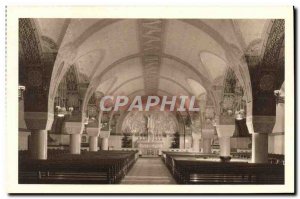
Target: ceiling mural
151 33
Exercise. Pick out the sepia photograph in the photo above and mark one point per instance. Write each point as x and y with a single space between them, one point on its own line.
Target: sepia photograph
179 100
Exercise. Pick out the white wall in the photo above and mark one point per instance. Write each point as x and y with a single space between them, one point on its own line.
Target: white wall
276 143
23 140
115 141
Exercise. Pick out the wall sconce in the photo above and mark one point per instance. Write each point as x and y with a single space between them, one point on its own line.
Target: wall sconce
62 111
214 122
229 112
239 115
279 98
21 92
86 121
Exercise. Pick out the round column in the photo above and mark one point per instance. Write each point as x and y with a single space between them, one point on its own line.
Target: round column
206 145
196 144
132 141
104 144
224 146
93 141
259 148
38 144
75 143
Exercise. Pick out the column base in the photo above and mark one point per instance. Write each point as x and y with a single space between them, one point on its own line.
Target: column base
225 158
38 144
75 143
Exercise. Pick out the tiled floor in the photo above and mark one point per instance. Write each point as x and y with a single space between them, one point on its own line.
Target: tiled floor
149 171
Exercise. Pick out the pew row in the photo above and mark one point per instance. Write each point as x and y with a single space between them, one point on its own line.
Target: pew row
186 169
107 167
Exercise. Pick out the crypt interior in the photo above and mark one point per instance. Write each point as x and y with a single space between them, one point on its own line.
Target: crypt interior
234 68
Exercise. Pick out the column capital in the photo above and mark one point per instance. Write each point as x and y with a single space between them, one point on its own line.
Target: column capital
196 135
208 133
225 120
38 120
260 123
93 131
73 127
226 130
279 96
104 134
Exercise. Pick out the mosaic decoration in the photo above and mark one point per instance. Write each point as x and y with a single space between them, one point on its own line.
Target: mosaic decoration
233 95
155 124
28 42
267 73
275 39
267 82
151 31
35 68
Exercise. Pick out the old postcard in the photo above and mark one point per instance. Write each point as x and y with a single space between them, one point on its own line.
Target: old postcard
150 100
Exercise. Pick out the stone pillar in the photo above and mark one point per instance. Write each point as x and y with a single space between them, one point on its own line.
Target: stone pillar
104 145
168 142
132 140
225 127
224 146
38 142
104 140
206 145
196 144
259 148
38 123
75 143
260 127
93 143
93 133
276 138
207 136
24 140
75 130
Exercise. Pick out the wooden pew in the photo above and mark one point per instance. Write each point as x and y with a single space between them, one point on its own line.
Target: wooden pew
187 169
107 167
198 172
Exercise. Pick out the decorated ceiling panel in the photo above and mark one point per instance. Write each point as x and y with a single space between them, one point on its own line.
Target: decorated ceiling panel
168 85
214 64
224 27
130 87
186 42
124 72
252 29
53 28
176 71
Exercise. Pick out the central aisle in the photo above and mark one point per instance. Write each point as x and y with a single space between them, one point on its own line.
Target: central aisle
149 171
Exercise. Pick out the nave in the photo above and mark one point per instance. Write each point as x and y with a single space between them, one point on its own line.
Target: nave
78 79
149 171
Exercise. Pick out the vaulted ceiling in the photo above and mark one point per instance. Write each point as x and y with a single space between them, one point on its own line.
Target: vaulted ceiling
152 56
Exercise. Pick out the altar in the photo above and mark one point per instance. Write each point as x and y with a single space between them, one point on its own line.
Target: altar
150 129
150 148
